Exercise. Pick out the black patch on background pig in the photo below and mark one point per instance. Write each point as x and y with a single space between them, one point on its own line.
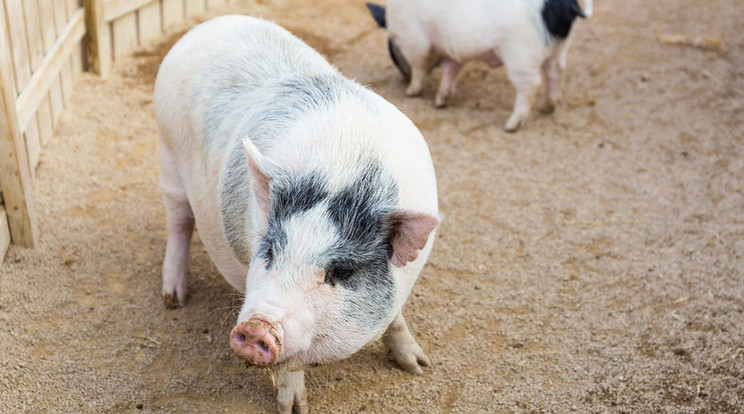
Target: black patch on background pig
378 13
399 60
559 15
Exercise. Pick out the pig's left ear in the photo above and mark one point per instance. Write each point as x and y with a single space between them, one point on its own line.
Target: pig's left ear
411 230
378 13
261 172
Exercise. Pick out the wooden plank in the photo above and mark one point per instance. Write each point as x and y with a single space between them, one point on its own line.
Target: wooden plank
214 3
99 38
195 7
71 6
17 36
56 101
76 63
33 31
173 13
149 22
30 98
46 23
60 15
124 33
14 172
45 120
66 78
33 144
114 9
4 234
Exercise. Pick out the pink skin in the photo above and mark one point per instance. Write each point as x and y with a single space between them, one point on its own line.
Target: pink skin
256 341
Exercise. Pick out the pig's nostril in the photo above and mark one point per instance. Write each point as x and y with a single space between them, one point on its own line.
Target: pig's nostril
240 338
263 346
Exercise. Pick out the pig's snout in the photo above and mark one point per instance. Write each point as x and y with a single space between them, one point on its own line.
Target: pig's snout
256 341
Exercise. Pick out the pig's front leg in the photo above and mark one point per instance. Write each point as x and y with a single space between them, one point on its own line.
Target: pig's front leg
291 392
180 228
403 347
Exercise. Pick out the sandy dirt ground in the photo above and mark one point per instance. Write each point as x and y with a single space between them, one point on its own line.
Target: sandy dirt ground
593 262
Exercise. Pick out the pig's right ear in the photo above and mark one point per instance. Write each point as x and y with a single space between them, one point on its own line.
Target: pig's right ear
411 231
378 13
261 172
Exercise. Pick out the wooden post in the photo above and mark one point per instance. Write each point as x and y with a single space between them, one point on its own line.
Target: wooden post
99 38
15 176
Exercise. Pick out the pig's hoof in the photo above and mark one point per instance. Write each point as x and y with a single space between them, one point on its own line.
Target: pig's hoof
171 301
291 393
413 90
410 357
547 108
440 103
512 125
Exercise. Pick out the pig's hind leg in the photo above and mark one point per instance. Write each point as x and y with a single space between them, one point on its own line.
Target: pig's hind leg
450 68
527 81
180 228
552 69
404 348
291 393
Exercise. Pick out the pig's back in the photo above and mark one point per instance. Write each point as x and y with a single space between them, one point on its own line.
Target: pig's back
208 87
218 66
468 29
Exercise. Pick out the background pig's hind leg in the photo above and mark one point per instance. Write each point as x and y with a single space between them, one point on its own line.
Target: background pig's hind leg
553 69
450 68
180 228
291 392
403 347
527 82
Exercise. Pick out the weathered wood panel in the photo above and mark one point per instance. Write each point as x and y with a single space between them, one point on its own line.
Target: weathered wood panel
149 22
46 124
124 32
31 96
17 35
195 7
173 13
4 233
99 38
47 23
14 172
33 143
33 31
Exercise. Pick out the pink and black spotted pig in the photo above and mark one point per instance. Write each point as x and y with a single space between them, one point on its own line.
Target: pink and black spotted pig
312 195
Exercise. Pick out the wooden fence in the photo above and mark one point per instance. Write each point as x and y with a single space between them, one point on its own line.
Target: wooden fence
44 47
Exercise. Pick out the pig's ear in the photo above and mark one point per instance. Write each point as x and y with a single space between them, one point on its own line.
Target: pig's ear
378 13
411 230
261 169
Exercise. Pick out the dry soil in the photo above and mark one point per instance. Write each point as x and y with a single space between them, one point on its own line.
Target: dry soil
592 262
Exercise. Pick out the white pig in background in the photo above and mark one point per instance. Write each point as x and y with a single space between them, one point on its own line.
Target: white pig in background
312 195
524 35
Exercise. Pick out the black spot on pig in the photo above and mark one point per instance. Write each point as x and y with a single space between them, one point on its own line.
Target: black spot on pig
296 195
362 252
559 15
289 196
399 60
378 13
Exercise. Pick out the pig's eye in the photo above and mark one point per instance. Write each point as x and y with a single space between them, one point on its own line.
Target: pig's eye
269 255
338 273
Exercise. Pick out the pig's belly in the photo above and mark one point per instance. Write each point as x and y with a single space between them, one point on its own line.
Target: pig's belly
201 190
